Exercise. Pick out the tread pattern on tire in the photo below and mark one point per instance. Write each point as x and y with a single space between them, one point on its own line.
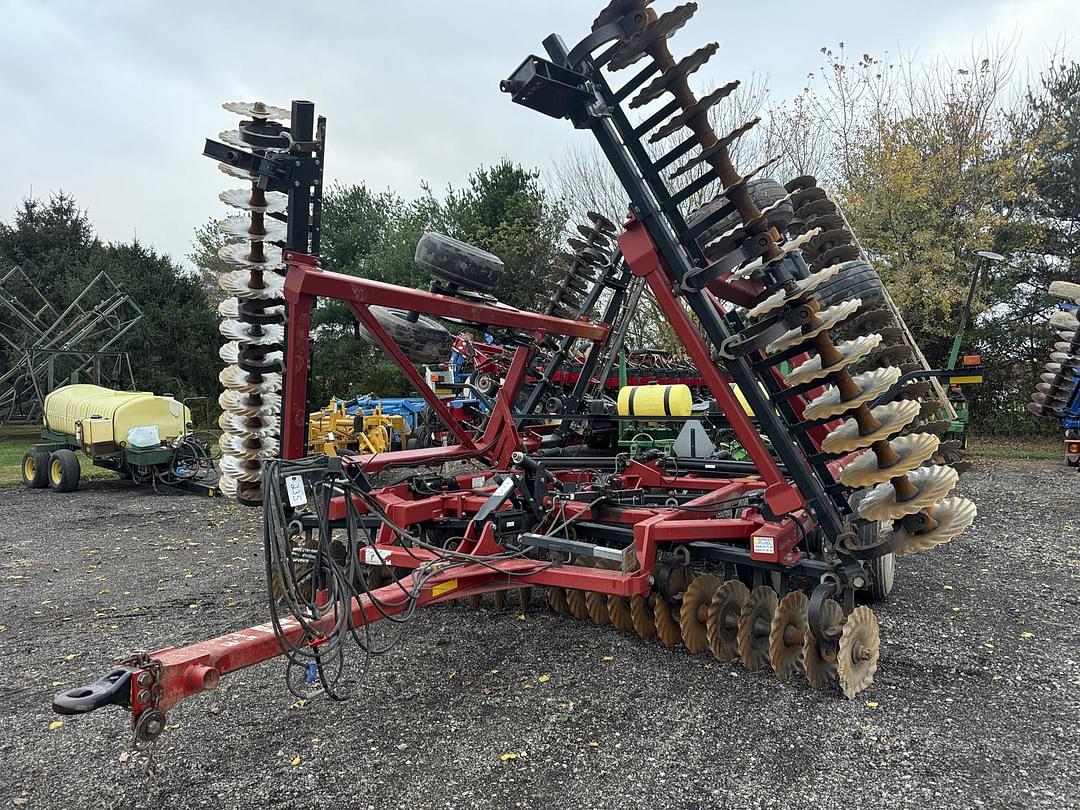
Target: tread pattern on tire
856 279
764 192
69 477
458 262
882 570
41 469
426 341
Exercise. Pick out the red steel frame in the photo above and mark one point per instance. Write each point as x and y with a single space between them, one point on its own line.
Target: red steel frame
189 670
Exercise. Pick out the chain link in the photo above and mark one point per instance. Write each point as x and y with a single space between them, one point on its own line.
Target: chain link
151 720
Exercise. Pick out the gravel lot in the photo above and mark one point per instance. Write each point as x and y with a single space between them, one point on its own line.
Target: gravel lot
976 703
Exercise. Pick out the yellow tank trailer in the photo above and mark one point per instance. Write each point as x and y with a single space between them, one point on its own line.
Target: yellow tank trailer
334 430
138 434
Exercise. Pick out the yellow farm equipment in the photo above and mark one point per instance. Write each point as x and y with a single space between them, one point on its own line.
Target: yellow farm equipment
338 428
142 436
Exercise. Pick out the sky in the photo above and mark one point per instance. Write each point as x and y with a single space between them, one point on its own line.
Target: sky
110 100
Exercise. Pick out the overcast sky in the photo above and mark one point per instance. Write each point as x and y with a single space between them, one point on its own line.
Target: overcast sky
110 101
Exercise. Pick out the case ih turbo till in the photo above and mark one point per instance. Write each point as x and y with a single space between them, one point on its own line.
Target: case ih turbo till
760 560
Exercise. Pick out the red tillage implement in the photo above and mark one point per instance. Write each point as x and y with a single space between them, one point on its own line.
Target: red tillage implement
759 560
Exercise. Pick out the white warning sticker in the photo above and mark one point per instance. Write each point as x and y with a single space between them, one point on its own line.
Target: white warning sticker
764 545
372 556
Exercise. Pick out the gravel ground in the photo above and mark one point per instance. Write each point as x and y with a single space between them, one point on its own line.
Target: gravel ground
976 703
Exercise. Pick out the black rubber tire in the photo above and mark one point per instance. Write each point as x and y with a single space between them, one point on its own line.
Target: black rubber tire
882 570
857 279
426 341
459 263
64 471
35 469
485 384
764 192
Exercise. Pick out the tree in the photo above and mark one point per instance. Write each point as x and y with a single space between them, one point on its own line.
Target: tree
173 346
372 235
1056 203
928 166
930 162
51 241
1043 242
204 255
504 210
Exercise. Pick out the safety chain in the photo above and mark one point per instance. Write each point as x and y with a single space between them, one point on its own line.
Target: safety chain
151 720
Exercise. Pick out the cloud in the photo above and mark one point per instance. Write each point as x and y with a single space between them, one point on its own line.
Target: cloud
111 101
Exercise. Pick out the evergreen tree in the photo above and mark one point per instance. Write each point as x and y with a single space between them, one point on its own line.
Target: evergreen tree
173 347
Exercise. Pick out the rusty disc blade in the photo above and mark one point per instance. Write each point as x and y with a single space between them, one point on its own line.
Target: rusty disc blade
602 223
819 663
524 596
681 119
556 599
755 624
723 622
579 608
641 615
619 613
803 181
634 48
687 65
597 605
694 612
860 645
665 614
818 205
787 635
615 10
953 516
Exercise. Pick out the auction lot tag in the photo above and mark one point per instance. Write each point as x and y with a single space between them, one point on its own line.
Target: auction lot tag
294 488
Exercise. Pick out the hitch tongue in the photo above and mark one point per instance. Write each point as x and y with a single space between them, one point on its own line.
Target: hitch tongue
113 688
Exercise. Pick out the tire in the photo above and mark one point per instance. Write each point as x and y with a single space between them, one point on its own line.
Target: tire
882 570
951 456
426 341
459 263
485 384
763 191
64 471
35 469
856 279
882 573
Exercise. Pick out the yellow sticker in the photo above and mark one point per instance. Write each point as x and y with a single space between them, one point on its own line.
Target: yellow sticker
444 587
971 379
